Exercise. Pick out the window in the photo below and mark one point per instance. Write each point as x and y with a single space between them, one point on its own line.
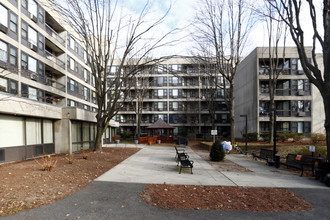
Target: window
300 84
13 56
48 131
32 93
33 8
24 31
4 16
71 103
24 61
11 131
72 43
175 92
86 75
41 16
41 69
3 84
41 42
32 64
32 36
86 93
24 3
3 51
72 64
13 22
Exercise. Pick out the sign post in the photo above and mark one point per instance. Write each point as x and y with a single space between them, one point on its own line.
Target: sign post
214 133
312 149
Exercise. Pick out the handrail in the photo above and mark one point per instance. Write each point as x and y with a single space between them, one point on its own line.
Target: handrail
51 57
54 34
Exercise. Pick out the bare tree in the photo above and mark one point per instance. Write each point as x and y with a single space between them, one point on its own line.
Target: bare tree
112 37
274 61
293 16
141 87
221 32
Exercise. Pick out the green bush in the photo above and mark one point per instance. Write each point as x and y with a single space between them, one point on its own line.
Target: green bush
251 136
264 136
126 134
317 137
217 152
199 135
282 137
297 136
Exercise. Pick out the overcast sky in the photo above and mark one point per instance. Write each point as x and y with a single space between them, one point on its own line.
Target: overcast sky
182 12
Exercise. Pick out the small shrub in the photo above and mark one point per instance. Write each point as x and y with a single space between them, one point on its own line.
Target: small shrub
70 158
282 137
84 153
297 136
126 134
317 137
217 152
251 136
199 135
264 136
47 163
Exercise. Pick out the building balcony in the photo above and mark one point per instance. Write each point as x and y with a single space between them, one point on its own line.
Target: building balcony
44 80
55 59
55 35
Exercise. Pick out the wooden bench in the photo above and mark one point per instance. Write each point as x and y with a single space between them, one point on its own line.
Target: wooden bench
264 154
299 162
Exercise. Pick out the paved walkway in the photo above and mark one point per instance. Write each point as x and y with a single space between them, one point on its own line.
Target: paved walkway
156 164
115 194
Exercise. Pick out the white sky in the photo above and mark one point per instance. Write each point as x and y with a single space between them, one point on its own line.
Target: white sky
182 12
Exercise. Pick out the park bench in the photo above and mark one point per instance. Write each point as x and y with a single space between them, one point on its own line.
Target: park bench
180 153
300 162
264 154
186 163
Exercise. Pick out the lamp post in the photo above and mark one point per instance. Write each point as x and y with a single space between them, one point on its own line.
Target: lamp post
246 137
274 138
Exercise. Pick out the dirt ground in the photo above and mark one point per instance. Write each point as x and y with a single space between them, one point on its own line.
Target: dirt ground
23 185
227 198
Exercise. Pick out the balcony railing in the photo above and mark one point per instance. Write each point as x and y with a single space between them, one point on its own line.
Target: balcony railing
54 34
56 60
44 80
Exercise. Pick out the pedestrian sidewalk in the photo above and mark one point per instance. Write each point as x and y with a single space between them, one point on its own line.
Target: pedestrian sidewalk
157 165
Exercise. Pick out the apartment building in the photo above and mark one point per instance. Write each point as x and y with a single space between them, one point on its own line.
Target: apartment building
299 105
177 91
47 98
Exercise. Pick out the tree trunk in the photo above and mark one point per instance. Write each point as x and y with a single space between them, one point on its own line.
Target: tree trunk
326 101
98 139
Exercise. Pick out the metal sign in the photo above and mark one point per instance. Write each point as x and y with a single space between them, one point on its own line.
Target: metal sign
214 132
312 148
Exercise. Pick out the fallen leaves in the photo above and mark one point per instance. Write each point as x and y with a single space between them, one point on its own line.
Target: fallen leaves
23 185
256 199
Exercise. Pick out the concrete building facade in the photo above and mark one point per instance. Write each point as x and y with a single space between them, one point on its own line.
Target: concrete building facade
298 103
178 92
47 98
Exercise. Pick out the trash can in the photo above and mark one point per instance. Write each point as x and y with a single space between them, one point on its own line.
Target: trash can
277 160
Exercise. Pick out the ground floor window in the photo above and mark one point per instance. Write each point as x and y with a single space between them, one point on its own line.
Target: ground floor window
25 137
83 135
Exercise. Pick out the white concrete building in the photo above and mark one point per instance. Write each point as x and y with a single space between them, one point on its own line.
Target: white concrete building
47 99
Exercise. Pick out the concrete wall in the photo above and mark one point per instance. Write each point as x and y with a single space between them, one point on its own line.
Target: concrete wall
14 105
245 87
